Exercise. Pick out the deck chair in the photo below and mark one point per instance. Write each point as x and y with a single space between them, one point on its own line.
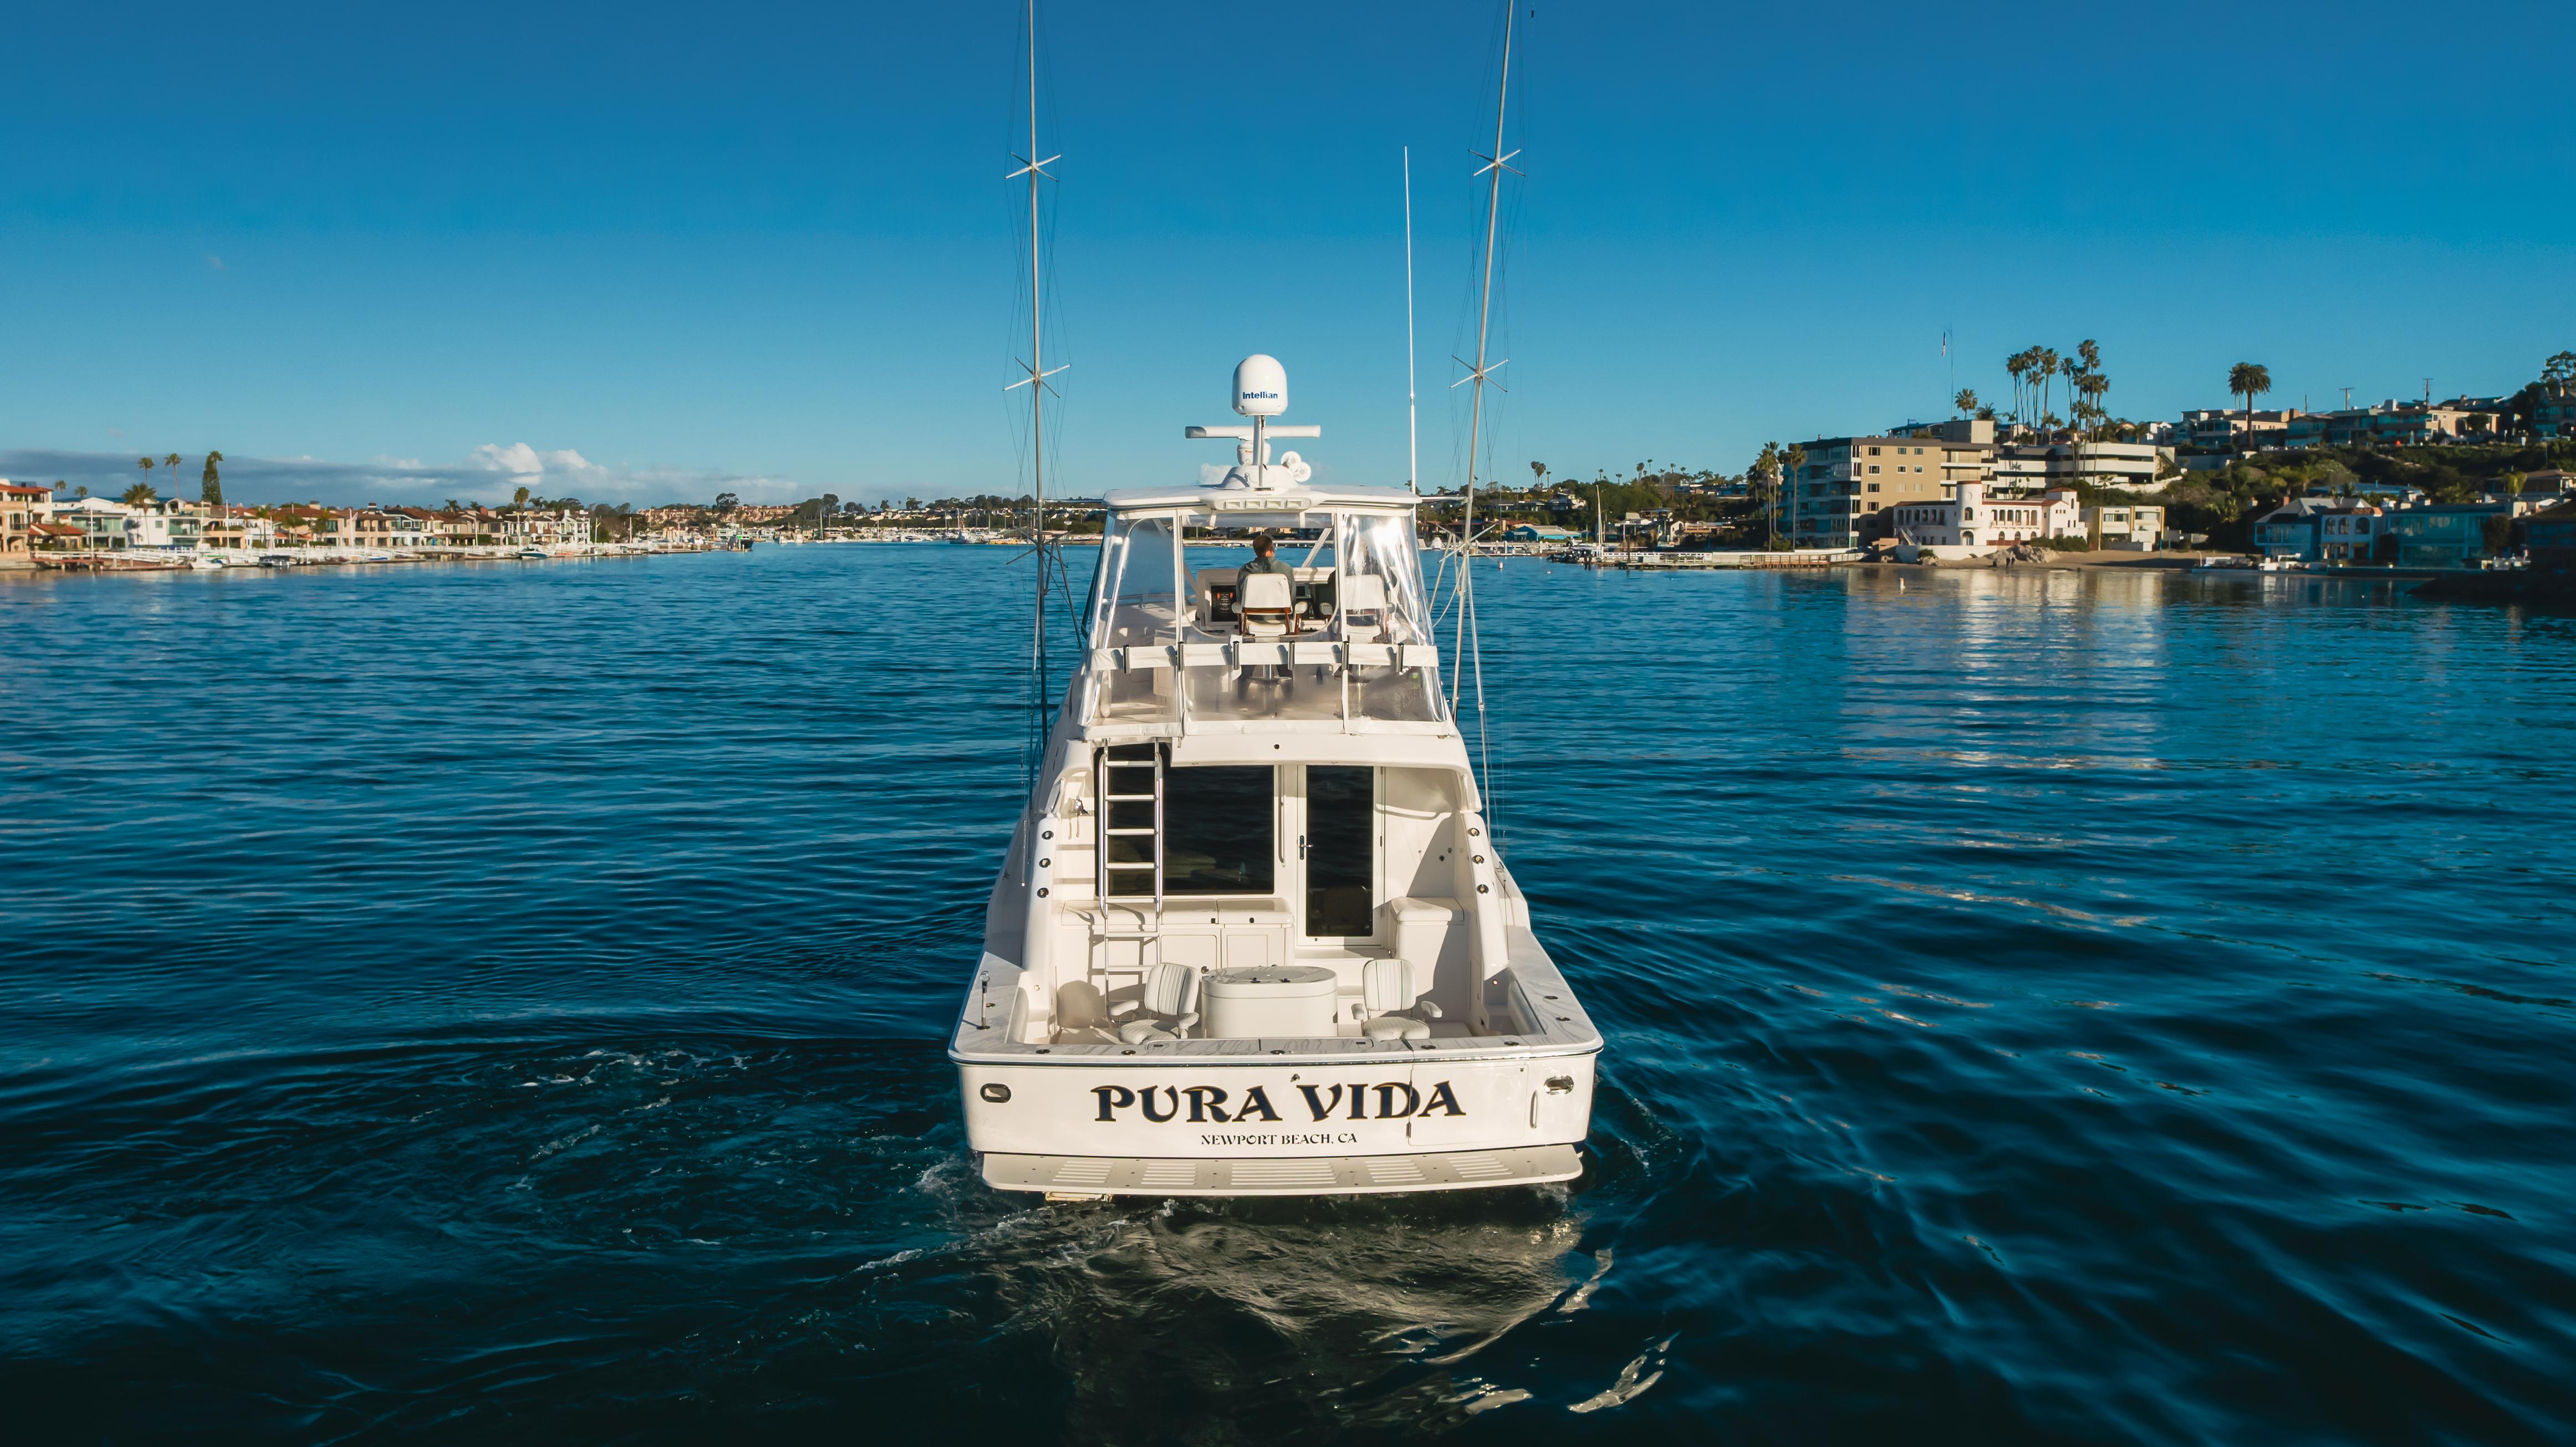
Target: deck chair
1363 600
1169 1008
1082 1015
1388 990
1265 605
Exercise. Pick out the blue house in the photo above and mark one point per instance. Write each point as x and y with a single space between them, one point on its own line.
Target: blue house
2444 534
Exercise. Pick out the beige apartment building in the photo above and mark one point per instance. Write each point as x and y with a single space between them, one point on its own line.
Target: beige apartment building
1841 495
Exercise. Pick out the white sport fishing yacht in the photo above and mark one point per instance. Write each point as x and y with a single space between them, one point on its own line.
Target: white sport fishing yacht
1253 936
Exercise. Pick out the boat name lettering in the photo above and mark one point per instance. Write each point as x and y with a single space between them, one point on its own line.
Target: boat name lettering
1319 1138
1394 1100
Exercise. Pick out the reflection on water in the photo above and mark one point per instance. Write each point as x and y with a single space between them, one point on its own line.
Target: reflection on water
2053 1007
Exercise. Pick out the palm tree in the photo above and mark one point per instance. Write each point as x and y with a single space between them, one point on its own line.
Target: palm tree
2095 384
520 498
1792 460
210 485
2081 374
171 462
2017 366
2249 380
139 494
2045 364
1767 468
147 464
1965 402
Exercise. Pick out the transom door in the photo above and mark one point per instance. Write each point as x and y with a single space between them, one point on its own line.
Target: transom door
1336 808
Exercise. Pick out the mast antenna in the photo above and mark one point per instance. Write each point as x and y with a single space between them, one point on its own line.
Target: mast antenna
1034 168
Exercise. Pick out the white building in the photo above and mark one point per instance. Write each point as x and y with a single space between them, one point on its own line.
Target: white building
1971 519
2034 467
164 523
108 523
522 527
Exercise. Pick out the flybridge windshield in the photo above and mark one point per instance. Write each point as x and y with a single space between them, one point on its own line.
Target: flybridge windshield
1154 588
1334 624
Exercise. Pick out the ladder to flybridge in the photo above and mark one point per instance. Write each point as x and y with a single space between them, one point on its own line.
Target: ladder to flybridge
1131 823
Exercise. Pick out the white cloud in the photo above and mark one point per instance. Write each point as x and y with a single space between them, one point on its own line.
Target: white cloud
527 467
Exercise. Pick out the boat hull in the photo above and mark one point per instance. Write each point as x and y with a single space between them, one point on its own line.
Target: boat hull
1414 1105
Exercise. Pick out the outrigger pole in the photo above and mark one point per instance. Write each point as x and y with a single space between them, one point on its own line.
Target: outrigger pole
1477 371
1033 168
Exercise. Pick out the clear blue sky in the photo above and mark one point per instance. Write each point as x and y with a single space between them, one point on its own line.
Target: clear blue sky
434 248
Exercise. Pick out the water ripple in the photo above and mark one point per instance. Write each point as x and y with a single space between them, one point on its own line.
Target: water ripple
485 1004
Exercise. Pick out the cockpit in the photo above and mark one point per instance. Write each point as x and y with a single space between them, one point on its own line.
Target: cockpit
1336 629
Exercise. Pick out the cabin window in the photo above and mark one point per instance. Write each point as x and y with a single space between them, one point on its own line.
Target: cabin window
1341 821
1218 830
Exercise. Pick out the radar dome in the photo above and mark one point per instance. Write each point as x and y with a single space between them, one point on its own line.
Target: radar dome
1260 386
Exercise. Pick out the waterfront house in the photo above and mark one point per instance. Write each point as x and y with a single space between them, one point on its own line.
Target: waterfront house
18 518
51 537
102 523
165 523
2317 529
223 529
2552 538
2445 534
1970 519
555 528
2137 527
1537 533
2349 533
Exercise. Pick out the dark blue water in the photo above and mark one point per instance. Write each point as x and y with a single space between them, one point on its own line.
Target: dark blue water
496 1003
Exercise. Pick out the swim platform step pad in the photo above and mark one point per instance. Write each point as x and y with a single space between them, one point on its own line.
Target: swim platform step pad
1091 1177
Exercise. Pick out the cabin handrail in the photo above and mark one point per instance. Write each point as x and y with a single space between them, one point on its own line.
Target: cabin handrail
1241 653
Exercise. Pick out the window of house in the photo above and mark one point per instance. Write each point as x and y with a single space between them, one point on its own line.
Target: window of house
1873 452
1873 467
1873 487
